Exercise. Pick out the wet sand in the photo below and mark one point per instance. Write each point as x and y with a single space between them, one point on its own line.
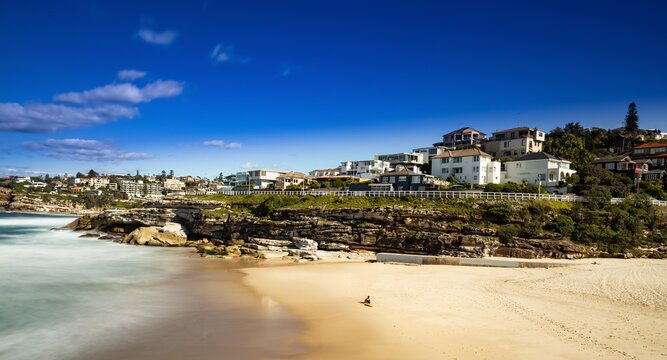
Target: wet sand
212 315
616 309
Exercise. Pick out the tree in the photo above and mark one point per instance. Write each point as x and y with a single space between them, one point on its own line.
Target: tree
631 118
137 174
221 177
164 174
570 146
171 173
80 175
92 173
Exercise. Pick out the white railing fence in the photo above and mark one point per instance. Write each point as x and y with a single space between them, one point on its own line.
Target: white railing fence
419 194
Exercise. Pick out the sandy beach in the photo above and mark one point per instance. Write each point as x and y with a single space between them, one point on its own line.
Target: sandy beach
616 309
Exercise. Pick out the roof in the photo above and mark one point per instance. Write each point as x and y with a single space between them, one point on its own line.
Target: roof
617 158
293 174
332 169
655 172
462 153
540 156
651 145
462 130
517 129
400 172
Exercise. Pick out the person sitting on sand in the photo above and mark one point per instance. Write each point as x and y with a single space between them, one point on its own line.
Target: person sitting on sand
367 301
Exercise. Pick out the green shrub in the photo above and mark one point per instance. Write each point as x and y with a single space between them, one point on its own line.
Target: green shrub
500 212
563 225
598 197
531 229
507 232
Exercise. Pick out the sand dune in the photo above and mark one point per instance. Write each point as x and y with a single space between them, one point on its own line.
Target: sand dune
614 310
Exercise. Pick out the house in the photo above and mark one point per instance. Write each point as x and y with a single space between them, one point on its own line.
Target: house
324 172
292 178
365 169
540 169
173 184
93 192
653 175
514 143
403 160
259 179
430 151
22 179
468 165
407 180
654 151
153 190
98 182
622 164
461 137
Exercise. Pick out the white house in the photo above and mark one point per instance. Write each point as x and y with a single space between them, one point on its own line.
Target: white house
429 152
173 184
539 169
365 169
259 179
468 165
324 172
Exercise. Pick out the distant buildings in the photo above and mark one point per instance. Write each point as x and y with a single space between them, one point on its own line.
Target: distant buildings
468 165
654 151
407 160
292 178
540 169
462 136
515 142
173 184
622 164
365 169
324 172
137 188
407 180
429 152
258 179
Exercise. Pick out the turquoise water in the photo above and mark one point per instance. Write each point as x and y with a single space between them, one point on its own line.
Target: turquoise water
60 293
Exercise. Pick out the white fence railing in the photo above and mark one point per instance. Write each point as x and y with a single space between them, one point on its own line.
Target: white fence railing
420 194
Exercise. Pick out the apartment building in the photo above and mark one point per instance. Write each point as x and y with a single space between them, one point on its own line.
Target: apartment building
514 143
539 168
258 179
133 188
173 184
468 165
324 172
365 169
462 137
403 160
430 151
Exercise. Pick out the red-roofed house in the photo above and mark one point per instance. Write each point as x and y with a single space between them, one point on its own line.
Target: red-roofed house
654 151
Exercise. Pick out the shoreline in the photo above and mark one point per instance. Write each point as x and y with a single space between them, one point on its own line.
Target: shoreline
612 309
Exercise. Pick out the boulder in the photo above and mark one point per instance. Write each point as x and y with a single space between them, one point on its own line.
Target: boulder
304 244
172 234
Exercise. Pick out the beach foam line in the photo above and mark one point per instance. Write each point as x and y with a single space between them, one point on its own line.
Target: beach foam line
458 261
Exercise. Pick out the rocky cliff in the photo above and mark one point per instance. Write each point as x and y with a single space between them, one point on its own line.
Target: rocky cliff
383 229
34 202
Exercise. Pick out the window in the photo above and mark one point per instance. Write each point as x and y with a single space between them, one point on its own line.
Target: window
475 178
445 161
475 158
518 165
402 178
551 177
507 144
475 169
458 170
457 159
542 177
416 179
385 179
392 179
523 142
445 171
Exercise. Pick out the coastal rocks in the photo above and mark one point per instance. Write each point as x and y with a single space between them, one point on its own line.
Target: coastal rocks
304 244
5 197
171 234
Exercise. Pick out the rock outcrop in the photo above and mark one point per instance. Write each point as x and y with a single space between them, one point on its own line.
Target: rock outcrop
171 234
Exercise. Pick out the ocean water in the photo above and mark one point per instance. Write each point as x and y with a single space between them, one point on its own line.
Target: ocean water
60 293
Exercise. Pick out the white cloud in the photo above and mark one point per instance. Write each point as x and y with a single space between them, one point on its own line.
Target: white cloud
46 118
11 170
160 38
249 166
130 74
124 93
223 53
83 150
222 144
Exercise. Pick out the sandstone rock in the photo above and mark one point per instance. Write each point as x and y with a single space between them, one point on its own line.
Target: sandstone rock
304 244
303 254
170 235
333 246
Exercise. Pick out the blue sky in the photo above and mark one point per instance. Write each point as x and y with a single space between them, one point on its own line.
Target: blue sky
203 87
